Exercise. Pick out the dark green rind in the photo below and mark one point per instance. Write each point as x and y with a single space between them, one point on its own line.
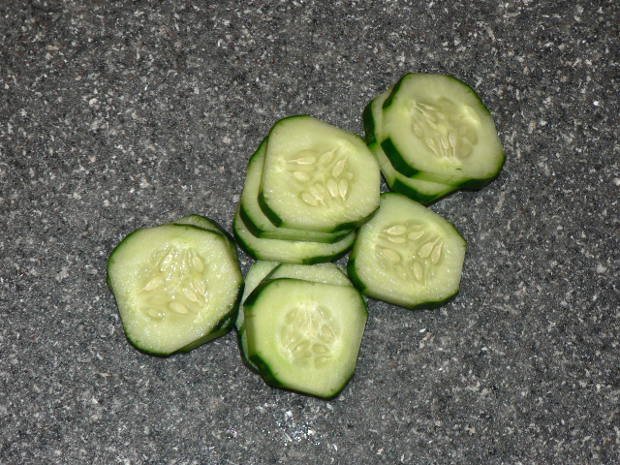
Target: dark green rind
290 236
397 160
390 99
426 199
265 371
369 124
326 258
269 213
244 357
222 327
354 277
258 255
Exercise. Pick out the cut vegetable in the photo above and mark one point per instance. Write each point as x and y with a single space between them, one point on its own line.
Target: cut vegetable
326 273
418 189
436 128
255 219
289 251
305 336
317 177
407 255
176 287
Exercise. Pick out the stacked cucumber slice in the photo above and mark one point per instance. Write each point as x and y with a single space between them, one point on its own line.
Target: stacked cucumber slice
312 192
432 135
308 186
302 327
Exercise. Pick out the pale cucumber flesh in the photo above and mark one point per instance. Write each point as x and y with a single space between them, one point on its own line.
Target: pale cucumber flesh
435 127
317 177
305 336
176 286
407 255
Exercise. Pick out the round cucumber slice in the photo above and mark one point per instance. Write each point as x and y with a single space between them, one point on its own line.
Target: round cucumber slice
254 217
407 255
176 287
317 177
418 189
305 336
327 273
436 128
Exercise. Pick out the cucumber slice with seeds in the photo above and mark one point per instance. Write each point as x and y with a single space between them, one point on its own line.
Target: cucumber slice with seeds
317 177
436 128
407 255
305 336
289 251
176 287
255 219
326 273
418 189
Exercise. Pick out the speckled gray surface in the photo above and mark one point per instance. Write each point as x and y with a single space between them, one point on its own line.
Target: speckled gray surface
119 115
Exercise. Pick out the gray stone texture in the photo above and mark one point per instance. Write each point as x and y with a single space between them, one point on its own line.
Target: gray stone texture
118 115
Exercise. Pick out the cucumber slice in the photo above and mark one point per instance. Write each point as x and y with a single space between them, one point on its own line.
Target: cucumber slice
255 219
407 255
305 336
317 177
201 222
176 287
418 189
289 251
436 128
327 273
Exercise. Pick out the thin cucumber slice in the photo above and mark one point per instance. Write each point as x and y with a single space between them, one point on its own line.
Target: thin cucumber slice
255 219
289 251
407 255
326 273
210 225
257 272
201 222
436 128
176 287
305 336
317 177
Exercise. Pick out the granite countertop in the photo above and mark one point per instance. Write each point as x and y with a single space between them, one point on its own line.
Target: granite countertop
118 115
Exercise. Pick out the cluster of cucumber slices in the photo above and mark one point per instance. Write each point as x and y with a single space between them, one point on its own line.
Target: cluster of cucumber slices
312 192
